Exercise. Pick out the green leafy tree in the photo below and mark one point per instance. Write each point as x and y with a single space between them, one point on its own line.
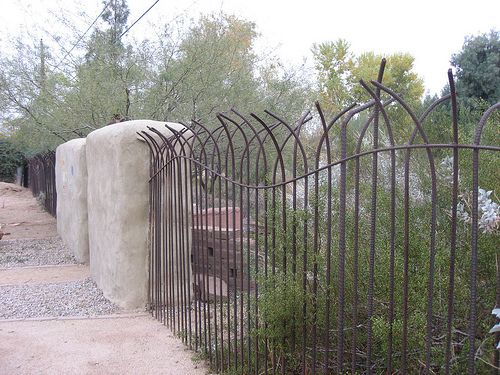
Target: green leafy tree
31 95
339 72
478 68
212 67
107 78
334 64
192 70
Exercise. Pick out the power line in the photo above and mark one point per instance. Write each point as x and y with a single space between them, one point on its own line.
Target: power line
85 33
137 20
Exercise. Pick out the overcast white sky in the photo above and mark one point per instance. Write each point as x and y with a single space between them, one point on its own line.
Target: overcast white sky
429 30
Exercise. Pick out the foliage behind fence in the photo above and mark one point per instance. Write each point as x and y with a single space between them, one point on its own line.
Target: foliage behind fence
353 244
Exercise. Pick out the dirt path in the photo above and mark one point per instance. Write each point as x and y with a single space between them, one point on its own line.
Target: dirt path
43 274
51 313
21 216
121 344
136 345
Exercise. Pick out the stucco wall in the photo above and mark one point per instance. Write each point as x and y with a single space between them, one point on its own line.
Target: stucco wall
71 185
118 203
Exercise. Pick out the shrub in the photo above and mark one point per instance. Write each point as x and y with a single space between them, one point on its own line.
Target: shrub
10 159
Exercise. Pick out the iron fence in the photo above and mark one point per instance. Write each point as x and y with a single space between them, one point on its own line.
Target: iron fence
42 180
350 245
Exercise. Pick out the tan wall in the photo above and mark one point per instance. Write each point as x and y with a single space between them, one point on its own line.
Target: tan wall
118 203
71 185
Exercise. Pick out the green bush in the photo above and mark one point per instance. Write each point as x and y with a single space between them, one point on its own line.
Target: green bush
10 159
283 294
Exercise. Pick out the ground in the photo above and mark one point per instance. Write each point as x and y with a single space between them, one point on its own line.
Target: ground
54 319
21 216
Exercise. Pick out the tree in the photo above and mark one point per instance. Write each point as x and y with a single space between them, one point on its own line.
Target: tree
31 98
116 15
478 68
107 76
212 67
190 71
339 72
334 64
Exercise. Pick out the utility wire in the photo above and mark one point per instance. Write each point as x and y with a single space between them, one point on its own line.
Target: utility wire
137 20
81 36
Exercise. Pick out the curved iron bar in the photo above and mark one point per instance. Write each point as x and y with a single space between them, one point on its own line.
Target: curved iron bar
380 106
206 276
246 152
453 239
238 129
198 223
293 133
261 148
432 249
185 295
483 120
242 158
474 238
230 148
156 152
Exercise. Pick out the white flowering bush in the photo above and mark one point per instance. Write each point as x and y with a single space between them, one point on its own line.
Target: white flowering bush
496 327
488 211
446 169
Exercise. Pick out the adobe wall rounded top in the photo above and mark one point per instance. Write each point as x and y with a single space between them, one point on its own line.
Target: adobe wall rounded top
130 128
73 144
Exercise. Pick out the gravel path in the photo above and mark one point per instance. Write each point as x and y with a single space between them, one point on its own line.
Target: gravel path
34 252
73 298
69 297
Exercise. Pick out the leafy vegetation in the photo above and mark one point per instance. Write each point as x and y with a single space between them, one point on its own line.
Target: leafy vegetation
478 68
339 73
189 70
10 159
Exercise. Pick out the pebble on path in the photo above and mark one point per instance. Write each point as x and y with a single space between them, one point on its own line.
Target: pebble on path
73 298
34 252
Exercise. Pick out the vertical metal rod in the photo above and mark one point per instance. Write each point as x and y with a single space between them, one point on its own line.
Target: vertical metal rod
406 249
191 174
342 245
373 226
182 247
171 244
189 245
453 239
471 365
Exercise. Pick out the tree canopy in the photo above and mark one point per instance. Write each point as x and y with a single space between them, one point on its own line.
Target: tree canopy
189 70
478 67
340 70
